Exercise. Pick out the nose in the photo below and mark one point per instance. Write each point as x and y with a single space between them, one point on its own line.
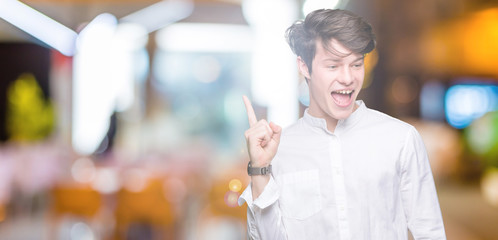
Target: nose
347 76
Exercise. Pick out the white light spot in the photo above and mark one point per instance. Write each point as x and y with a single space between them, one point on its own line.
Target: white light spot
206 69
83 170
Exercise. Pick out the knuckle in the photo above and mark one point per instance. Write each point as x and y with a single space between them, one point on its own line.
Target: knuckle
269 131
246 134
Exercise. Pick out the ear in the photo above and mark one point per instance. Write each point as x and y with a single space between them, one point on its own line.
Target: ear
303 68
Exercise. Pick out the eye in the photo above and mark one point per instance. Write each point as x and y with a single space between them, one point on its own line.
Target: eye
332 67
357 65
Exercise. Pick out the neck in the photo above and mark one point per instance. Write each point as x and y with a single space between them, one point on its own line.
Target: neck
331 121
331 124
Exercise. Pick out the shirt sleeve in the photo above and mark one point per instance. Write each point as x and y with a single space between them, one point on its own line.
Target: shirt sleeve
418 191
264 219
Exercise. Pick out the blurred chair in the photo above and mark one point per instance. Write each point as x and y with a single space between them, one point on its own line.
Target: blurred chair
3 212
73 201
78 200
221 217
223 201
144 214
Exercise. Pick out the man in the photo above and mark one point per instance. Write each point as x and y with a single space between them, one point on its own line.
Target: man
342 171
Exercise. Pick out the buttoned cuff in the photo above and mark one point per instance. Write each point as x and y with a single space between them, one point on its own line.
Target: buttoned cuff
269 196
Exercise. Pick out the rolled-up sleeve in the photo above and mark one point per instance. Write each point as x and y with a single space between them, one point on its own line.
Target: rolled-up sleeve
264 219
418 191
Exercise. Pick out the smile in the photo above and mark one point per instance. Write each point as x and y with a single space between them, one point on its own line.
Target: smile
342 98
345 92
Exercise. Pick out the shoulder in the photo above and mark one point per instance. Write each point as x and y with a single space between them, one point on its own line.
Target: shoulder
299 138
392 134
384 121
386 127
295 129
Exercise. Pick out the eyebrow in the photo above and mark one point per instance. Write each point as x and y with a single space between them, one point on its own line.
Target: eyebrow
340 59
359 58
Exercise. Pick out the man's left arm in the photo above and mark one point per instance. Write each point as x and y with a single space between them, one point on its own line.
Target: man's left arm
418 191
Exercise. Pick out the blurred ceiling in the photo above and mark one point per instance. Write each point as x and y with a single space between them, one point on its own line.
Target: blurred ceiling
435 34
75 13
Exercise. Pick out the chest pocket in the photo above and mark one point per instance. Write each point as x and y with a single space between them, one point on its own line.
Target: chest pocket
300 195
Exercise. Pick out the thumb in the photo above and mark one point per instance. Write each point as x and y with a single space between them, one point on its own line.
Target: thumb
277 131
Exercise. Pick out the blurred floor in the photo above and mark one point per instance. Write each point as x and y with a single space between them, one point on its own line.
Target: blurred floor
465 213
466 216
26 228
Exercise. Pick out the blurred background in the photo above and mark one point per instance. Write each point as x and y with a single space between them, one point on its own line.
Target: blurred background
123 119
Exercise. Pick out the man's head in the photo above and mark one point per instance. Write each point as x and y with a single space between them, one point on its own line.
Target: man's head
331 45
325 24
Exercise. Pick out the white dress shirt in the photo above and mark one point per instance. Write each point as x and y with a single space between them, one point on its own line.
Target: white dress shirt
369 179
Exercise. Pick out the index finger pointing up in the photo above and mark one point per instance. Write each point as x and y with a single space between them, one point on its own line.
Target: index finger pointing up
250 111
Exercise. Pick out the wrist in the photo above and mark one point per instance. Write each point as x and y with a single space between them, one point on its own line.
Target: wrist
259 164
260 181
258 170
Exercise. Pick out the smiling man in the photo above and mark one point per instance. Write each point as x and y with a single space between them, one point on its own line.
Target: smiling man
342 171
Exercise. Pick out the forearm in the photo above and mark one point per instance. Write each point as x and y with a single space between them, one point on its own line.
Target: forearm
259 183
264 219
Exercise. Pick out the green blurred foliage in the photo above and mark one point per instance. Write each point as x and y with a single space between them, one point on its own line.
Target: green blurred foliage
29 116
482 138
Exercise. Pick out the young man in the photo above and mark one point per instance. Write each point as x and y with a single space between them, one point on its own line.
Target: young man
342 171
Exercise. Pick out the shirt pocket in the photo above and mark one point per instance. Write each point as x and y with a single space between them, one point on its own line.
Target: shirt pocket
300 196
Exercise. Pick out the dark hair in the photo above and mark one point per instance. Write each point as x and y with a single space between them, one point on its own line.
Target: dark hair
350 30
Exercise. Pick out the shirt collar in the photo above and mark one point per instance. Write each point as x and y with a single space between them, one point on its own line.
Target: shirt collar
342 125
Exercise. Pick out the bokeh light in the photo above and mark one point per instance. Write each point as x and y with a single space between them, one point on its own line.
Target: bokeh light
83 170
464 103
482 137
432 101
489 186
231 199
235 185
206 69
135 179
404 89
106 180
371 60
81 231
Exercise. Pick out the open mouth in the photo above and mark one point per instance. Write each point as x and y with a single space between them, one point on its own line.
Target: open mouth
342 97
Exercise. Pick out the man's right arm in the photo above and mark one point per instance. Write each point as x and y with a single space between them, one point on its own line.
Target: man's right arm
259 183
262 140
264 220
263 217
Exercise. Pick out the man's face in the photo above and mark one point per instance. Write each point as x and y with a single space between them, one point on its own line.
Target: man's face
335 81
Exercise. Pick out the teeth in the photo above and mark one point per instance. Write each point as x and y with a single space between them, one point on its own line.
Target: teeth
345 91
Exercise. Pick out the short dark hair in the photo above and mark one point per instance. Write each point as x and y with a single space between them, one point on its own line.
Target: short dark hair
349 29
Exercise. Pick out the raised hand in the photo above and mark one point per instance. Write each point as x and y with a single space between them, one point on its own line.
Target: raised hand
262 138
